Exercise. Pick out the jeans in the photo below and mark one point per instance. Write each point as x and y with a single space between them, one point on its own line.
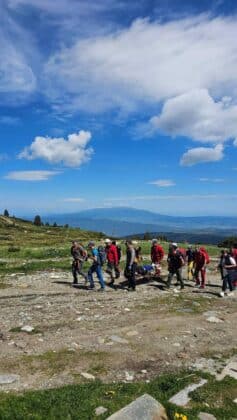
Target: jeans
178 273
96 268
113 271
227 281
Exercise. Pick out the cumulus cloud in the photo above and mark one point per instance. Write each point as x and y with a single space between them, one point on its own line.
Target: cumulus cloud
196 115
163 183
30 175
146 63
202 154
72 152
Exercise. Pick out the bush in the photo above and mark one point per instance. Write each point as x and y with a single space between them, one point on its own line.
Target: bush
13 248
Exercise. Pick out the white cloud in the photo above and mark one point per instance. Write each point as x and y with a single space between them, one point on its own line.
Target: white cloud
163 183
202 154
196 115
30 175
216 180
72 152
146 63
74 200
9 120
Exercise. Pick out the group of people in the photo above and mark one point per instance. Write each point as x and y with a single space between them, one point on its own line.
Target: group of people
196 259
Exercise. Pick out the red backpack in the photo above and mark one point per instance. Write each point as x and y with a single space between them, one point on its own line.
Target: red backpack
207 258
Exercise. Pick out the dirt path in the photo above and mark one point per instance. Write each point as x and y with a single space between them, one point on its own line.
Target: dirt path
114 335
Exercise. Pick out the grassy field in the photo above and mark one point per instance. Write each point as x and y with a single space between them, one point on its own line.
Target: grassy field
80 401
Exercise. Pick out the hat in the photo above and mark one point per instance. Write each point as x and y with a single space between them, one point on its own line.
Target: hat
154 241
107 241
174 244
91 243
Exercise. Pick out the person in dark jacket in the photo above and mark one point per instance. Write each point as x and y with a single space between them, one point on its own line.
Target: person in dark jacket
79 255
131 265
200 267
175 264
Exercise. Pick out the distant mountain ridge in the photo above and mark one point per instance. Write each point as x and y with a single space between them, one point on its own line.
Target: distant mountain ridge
125 221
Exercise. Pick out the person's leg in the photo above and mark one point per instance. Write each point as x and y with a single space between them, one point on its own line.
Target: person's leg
74 273
110 271
170 276
180 277
90 276
117 271
100 276
196 275
203 277
229 281
84 275
131 280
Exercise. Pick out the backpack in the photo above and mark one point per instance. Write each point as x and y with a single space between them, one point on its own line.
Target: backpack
207 258
101 255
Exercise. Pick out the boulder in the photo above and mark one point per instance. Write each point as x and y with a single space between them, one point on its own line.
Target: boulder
206 416
144 407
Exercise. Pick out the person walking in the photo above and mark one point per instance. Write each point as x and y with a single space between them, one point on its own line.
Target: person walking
112 261
96 267
175 265
131 265
200 268
157 255
79 255
190 262
228 265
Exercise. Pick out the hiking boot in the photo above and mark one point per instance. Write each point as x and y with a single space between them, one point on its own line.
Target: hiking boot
222 294
197 285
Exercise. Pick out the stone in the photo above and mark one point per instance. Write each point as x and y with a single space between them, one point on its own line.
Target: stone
131 333
214 319
235 401
27 328
87 376
182 398
229 370
100 410
118 339
8 379
128 376
144 407
206 416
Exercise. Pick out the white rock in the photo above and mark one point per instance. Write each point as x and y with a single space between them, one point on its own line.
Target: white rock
118 339
206 416
182 398
100 410
131 333
128 376
229 370
127 309
214 319
8 379
87 376
27 328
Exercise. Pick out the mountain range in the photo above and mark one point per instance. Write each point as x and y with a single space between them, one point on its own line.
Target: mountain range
125 221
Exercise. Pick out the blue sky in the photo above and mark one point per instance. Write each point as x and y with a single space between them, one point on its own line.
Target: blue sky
118 103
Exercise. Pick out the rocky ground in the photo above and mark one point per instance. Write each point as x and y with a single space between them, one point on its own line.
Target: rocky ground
72 334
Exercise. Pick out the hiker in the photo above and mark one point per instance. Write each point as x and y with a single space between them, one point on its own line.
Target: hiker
96 267
138 252
119 250
79 255
112 261
131 265
200 262
157 255
227 265
190 254
175 264
233 252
